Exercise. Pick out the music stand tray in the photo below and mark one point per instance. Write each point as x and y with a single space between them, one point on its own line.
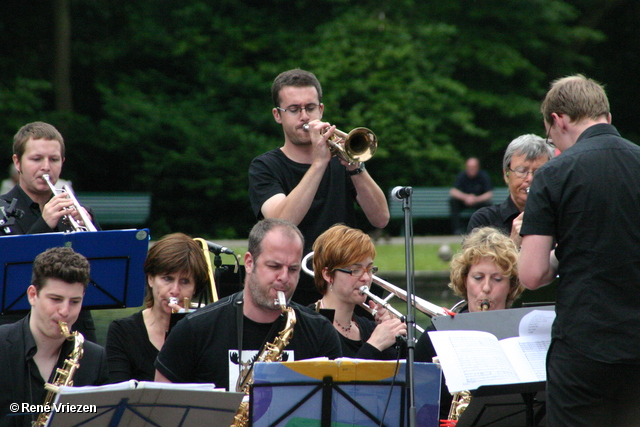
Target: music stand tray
139 404
505 406
116 257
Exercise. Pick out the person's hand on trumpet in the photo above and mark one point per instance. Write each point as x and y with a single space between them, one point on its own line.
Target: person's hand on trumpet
384 335
320 133
380 314
57 207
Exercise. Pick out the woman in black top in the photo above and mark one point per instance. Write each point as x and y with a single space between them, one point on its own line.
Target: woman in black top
343 262
175 268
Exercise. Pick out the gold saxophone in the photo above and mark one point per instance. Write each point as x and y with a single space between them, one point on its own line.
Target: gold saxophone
462 399
64 375
271 352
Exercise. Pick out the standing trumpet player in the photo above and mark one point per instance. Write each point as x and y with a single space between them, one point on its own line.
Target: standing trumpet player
38 149
301 181
33 348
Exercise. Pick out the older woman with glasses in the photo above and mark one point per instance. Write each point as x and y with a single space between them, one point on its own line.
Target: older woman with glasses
343 262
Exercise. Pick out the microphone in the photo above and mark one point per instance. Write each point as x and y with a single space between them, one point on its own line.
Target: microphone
402 192
219 249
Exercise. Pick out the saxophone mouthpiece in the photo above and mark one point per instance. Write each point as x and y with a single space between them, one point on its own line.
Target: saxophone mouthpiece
281 300
485 305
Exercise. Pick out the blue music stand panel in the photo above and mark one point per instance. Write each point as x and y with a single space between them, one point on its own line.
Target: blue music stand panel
288 394
116 258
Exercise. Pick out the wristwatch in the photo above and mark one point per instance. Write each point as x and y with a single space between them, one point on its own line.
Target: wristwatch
360 169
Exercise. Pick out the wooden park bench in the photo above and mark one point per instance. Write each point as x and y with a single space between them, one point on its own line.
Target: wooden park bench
117 208
433 203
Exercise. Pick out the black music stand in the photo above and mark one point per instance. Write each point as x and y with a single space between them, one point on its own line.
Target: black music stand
116 258
505 405
521 404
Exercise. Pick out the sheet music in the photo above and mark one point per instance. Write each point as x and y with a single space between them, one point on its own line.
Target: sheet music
134 384
471 359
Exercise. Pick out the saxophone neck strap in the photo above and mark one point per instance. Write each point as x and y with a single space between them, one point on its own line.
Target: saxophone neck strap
238 301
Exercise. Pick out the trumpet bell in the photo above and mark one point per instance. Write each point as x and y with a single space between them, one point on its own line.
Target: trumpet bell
359 145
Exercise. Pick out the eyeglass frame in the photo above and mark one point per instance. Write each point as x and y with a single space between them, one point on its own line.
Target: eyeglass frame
371 270
299 109
526 173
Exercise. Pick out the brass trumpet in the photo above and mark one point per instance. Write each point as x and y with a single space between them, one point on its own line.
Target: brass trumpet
88 225
359 145
424 306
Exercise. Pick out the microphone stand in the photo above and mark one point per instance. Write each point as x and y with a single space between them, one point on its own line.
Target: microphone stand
404 195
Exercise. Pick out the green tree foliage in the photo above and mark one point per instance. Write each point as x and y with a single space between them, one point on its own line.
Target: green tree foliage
174 97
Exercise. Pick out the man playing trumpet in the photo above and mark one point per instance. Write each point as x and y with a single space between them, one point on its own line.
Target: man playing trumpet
38 149
300 181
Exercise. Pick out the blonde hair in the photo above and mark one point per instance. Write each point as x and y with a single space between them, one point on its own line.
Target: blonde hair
339 247
576 96
491 243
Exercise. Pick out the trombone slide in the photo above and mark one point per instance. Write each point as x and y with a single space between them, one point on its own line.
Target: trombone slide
384 303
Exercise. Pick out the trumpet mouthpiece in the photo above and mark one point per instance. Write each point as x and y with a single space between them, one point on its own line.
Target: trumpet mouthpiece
305 127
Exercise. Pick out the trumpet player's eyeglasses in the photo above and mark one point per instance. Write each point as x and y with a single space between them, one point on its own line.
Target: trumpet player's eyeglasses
297 109
522 172
359 272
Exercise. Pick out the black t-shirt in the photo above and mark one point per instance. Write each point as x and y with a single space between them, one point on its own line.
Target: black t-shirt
203 345
273 172
588 199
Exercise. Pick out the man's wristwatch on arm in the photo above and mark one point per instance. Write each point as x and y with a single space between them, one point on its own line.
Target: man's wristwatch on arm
357 170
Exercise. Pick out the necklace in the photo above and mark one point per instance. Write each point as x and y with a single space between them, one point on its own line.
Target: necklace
347 329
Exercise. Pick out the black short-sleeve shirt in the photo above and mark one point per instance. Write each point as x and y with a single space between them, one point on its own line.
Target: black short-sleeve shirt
588 199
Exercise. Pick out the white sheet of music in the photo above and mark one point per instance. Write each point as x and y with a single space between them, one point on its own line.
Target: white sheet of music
471 359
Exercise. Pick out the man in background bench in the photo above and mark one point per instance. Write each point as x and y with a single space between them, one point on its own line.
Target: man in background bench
472 189
522 158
